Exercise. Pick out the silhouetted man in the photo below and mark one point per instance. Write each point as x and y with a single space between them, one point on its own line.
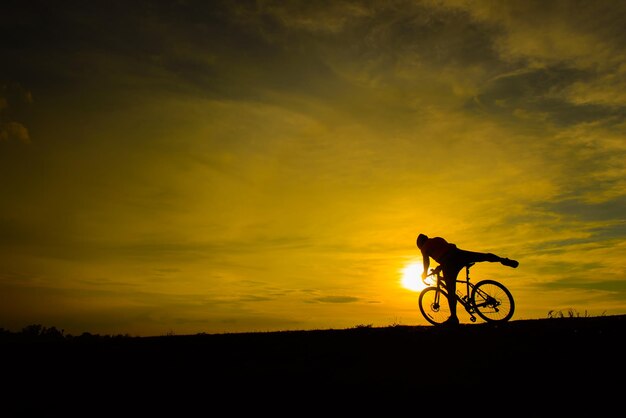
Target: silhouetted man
451 261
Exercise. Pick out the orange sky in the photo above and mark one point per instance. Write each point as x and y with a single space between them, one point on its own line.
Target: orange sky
186 167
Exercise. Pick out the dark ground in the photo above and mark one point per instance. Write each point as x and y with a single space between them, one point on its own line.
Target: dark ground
546 367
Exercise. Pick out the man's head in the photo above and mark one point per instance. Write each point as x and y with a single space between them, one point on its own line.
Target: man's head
421 239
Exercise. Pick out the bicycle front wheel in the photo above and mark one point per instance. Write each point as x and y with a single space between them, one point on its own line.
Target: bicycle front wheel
492 301
433 303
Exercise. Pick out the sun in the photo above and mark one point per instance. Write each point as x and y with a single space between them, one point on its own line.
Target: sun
412 277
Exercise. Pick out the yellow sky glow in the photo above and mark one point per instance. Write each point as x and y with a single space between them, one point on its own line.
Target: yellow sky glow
232 167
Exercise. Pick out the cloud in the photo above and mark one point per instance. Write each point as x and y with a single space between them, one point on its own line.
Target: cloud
546 95
586 34
14 130
337 299
13 101
326 17
607 89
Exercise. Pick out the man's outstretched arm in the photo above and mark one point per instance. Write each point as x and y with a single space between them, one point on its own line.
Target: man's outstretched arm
426 265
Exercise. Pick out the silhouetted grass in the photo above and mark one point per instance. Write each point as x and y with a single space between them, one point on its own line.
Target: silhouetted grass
521 363
41 332
571 313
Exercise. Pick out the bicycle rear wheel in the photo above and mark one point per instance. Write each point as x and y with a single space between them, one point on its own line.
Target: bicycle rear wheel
492 301
433 303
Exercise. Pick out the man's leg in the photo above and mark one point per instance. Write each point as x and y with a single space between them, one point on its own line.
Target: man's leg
450 273
476 257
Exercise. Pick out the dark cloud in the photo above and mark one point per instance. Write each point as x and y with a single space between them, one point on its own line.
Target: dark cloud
539 92
615 289
15 102
611 210
14 130
337 299
225 49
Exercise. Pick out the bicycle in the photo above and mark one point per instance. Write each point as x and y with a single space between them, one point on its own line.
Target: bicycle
488 299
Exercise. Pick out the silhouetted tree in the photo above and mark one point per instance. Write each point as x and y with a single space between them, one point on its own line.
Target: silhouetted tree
33 330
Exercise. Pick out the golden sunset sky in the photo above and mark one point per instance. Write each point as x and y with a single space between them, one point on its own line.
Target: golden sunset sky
233 166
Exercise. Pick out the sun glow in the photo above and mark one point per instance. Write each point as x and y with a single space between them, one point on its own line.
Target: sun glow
412 277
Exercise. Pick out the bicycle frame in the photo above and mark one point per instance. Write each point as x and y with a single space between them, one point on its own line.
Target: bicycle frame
463 299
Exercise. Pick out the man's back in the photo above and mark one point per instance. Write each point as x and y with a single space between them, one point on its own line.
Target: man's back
436 248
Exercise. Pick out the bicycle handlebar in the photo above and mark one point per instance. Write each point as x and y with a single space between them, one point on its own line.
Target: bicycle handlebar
433 272
437 270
